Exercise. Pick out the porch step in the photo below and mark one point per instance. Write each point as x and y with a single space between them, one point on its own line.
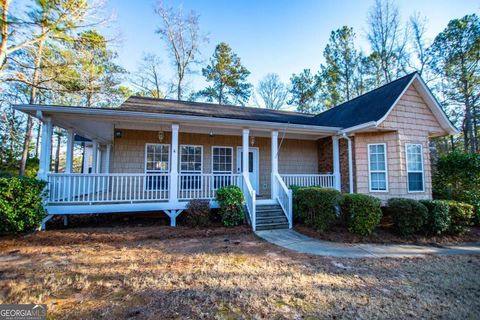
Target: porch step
270 217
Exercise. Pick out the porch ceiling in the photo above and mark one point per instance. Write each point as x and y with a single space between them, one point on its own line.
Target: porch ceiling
99 124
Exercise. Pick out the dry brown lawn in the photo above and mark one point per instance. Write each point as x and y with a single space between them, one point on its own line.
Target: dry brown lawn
156 272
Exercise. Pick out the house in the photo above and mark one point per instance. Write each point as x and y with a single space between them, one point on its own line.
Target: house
156 154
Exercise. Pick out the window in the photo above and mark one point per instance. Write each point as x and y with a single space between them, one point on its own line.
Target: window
157 161
414 167
377 166
222 166
222 159
191 167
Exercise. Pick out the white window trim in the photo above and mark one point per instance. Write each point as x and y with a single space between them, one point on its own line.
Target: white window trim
182 172
370 172
224 147
180 158
423 169
169 157
166 172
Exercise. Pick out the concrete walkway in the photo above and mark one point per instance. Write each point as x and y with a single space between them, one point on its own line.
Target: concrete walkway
295 241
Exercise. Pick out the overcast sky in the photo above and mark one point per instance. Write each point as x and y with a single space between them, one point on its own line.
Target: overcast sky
269 36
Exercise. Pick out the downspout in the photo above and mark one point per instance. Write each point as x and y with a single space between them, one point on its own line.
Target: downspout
350 162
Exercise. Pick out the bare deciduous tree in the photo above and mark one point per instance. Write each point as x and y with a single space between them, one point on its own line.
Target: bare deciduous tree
419 42
387 38
273 92
181 33
147 79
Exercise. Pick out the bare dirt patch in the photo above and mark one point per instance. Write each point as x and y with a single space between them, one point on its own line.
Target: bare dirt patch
387 236
164 273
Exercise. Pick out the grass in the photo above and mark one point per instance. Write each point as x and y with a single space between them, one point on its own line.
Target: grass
160 272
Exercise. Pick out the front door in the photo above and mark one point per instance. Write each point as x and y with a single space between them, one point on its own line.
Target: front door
252 165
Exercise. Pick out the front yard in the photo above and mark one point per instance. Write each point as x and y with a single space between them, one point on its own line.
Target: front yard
159 272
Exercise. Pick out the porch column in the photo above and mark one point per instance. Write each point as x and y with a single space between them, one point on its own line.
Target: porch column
46 149
174 166
107 158
274 164
94 155
245 150
336 163
69 156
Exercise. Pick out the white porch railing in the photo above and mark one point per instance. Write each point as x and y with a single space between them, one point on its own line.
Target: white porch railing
309 180
204 186
106 187
250 201
130 187
284 198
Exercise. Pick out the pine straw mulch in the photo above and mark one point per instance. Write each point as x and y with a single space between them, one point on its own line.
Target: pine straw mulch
157 272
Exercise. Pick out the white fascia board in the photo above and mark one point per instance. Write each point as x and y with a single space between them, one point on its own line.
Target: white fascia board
171 117
366 125
437 108
398 99
431 102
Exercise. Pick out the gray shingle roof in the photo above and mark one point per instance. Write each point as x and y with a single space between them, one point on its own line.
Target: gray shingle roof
142 104
371 106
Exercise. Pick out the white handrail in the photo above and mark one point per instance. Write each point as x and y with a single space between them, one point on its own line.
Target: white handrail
309 180
250 200
284 198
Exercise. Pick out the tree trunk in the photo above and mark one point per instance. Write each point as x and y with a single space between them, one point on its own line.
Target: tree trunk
37 144
57 151
4 33
83 157
33 94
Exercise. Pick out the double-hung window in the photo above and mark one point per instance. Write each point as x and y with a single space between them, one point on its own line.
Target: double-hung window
377 167
191 167
157 163
414 167
222 166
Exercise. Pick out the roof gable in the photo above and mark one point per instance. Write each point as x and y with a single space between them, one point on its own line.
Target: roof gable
371 106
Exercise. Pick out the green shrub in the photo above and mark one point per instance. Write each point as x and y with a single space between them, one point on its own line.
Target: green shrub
198 213
230 200
438 218
318 207
457 177
362 213
295 213
408 215
461 216
21 204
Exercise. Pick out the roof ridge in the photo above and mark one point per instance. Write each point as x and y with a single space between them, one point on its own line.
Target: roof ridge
364 94
217 105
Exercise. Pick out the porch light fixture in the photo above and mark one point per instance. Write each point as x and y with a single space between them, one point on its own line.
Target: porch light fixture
211 133
161 136
252 140
118 133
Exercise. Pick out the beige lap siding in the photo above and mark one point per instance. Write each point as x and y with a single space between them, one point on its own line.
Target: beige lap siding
411 121
295 156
